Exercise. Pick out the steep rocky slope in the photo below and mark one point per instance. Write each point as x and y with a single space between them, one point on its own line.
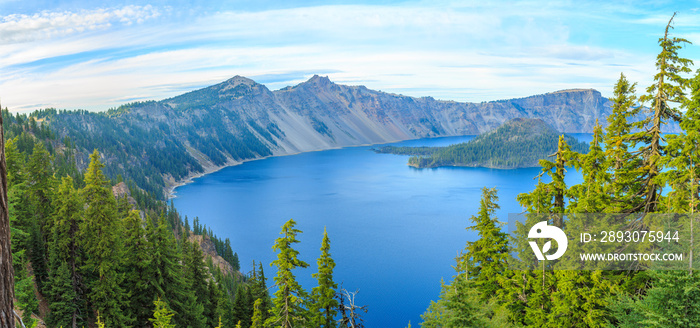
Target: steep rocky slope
239 120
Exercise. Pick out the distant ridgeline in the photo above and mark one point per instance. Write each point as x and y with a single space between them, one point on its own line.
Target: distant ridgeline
520 142
156 145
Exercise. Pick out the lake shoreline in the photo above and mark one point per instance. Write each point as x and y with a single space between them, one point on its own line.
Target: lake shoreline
379 213
210 168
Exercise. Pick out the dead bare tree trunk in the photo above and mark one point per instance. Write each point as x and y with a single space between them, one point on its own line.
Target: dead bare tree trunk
351 317
7 275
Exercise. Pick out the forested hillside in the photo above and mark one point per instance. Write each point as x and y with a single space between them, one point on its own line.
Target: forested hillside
87 253
158 144
630 168
515 144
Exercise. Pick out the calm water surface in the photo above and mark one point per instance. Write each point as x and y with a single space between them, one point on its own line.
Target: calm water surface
394 230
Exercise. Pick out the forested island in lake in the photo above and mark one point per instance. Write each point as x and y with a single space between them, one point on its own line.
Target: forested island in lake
518 143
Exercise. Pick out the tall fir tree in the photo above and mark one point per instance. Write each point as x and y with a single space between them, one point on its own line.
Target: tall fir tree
624 193
196 276
591 195
101 238
528 291
259 291
137 262
41 184
323 303
684 156
470 299
66 294
667 90
484 260
162 315
241 305
167 276
15 163
40 188
288 310
258 321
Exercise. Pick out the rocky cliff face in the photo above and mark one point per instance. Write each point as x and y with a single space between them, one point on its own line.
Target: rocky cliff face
240 119
120 190
209 250
319 114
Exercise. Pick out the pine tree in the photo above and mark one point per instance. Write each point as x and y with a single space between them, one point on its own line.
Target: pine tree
591 195
527 292
100 234
18 214
41 184
583 294
485 259
673 301
166 275
684 156
324 304
219 303
258 320
287 311
668 89
137 261
40 188
197 278
65 303
258 289
162 315
65 295
15 164
558 188
550 197
240 307
623 164
469 301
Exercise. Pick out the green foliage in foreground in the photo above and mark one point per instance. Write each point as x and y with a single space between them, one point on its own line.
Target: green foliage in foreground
624 171
98 261
93 254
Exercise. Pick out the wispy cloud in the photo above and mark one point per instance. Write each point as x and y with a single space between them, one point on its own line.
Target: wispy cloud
45 25
476 51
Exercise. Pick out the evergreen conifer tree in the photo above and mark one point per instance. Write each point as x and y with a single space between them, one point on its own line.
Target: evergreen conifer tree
65 295
101 238
667 89
40 188
240 307
469 300
258 289
624 166
288 310
324 304
591 195
196 275
258 321
167 275
137 262
162 315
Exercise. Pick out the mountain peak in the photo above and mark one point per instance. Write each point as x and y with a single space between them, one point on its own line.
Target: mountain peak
319 80
238 80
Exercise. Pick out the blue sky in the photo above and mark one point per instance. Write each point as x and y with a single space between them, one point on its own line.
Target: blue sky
99 54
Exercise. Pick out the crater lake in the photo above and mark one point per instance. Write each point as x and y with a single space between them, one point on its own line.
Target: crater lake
395 230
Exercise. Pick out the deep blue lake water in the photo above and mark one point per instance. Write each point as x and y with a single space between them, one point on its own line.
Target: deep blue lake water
395 230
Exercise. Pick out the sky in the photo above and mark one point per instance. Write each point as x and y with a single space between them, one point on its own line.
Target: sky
96 55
